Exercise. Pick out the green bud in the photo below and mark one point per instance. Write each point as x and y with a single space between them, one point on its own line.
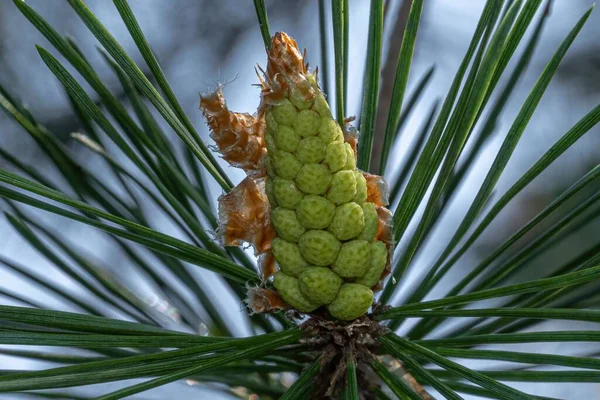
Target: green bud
289 289
269 167
286 165
307 123
288 257
320 105
310 150
335 156
343 187
271 122
330 131
270 142
315 212
319 284
361 188
313 178
286 139
319 247
285 113
348 221
269 192
353 259
286 224
378 257
350 158
371 222
351 302
299 100
286 193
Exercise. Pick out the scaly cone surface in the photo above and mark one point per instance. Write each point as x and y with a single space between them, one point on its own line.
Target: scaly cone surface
304 205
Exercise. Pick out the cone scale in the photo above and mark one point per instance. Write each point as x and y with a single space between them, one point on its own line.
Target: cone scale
318 224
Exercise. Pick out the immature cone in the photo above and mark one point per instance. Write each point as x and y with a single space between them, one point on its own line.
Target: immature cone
332 239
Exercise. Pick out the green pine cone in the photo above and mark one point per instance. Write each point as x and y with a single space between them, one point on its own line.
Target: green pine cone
313 178
300 101
371 222
348 221
286 139
378 260
311 150
315 212
320 106
271 123
285 113
286 224
289 289
330 131
285 192
361 188
353 259
352 301
325 246
288 257
269 191
343 187
307 123
350 158
285 164
319 284
319 247
270 142
335 156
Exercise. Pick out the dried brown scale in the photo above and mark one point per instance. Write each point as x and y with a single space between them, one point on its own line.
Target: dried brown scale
244 213
264 300
377 190
239 136
267 265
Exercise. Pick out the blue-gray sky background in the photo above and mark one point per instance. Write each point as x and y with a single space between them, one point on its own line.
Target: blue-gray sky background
202 42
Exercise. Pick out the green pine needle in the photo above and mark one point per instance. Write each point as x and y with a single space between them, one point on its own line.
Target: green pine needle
111 334
370 96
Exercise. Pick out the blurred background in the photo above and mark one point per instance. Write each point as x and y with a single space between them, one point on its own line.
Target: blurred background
201 43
